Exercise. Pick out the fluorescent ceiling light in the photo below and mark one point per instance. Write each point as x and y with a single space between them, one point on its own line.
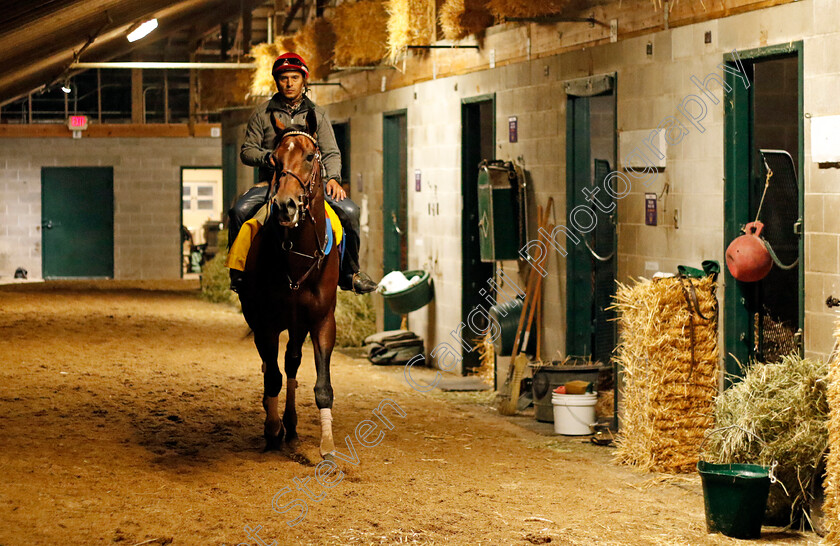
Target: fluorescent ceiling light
143 30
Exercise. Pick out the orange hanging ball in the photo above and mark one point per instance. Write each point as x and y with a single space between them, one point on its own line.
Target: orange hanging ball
747 257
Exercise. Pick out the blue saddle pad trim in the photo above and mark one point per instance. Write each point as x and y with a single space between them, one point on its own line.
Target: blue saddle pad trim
330 237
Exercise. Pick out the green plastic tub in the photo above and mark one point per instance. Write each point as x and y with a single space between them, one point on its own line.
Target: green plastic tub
735 496
413 297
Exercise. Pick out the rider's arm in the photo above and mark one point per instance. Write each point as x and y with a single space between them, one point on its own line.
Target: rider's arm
252 152
330 156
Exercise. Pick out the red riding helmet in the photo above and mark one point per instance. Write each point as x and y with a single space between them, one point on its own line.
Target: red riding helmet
289 61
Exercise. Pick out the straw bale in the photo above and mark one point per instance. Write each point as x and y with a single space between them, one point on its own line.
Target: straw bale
667 400
224 88
361 33
410 22
460 18
525 8
315 43
262 82
831 507
784 404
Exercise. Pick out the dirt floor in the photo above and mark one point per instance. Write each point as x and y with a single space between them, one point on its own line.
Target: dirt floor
131 414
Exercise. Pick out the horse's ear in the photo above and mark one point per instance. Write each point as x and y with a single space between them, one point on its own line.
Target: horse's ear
311 123
276 123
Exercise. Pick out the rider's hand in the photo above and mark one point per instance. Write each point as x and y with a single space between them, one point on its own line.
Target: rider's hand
335 190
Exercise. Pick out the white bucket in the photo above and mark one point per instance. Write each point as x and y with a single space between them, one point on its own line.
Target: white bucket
573 413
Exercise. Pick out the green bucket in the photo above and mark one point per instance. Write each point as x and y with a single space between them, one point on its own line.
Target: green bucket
413 297
735 496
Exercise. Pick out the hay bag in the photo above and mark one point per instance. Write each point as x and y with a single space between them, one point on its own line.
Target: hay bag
669 383
832 467
315 43
410 22
262 82
361 36
526 8
460 18
784 404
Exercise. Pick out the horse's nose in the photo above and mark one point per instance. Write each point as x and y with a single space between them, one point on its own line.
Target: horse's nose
288 210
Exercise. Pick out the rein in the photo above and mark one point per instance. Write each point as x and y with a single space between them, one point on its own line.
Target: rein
317 257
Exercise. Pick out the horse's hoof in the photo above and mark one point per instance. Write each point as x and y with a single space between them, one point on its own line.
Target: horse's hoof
329 457
273 443
273 437
292 439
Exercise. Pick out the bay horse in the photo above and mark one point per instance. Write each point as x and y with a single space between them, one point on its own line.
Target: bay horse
293 284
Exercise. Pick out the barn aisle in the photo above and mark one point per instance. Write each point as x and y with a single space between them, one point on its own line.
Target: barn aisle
131 415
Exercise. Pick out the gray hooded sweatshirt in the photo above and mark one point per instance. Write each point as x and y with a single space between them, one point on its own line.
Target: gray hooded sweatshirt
260 135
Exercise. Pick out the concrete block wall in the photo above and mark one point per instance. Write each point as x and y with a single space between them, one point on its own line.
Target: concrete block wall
822 185
690 189
147 197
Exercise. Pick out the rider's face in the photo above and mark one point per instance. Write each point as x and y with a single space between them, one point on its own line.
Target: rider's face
290 84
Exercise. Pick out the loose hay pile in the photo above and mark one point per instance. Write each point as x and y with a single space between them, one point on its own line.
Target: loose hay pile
460 18
667 402
526 8
410 22
360 31
262 82
355 318
784 404
832 471
315 43
487 359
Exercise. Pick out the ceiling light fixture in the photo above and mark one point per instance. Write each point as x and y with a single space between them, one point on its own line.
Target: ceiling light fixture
66 87
142 30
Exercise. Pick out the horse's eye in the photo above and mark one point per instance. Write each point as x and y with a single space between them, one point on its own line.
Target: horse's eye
310 157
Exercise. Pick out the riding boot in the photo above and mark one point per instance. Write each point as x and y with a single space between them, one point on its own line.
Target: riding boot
349 276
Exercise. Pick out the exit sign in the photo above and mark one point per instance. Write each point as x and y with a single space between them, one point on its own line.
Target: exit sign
77 123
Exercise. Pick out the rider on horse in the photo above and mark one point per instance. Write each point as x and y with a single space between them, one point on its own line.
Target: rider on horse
292 105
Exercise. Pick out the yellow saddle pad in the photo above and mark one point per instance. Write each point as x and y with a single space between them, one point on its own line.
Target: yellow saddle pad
239 250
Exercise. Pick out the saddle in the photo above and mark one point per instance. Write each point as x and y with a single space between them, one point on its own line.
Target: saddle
240 256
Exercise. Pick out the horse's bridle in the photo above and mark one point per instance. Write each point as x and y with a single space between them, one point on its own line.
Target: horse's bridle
307 187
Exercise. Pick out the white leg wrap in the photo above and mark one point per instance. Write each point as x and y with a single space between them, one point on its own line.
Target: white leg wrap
326 422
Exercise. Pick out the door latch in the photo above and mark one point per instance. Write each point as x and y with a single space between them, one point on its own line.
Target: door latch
798 338
797 227
396 224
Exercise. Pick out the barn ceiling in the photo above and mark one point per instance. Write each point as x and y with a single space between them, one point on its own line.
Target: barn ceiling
39 39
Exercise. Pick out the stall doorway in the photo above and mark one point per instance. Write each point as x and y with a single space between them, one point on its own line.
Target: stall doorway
764 320
394 201
77 222
591 265
202 202
478 132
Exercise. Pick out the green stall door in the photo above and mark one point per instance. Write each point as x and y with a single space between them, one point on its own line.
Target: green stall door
394 201
77 222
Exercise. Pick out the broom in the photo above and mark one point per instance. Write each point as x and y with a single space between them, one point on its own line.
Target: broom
518 361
